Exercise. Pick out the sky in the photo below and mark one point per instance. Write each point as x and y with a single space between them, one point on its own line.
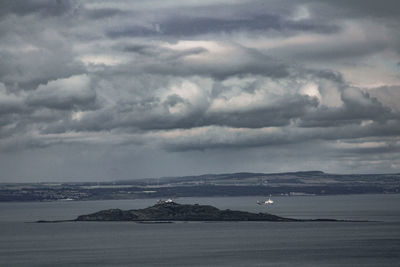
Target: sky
106 90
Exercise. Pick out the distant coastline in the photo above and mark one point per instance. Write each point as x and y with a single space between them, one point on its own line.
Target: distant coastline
229 184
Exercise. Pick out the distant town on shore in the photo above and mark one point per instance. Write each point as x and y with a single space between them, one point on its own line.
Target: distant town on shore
229 184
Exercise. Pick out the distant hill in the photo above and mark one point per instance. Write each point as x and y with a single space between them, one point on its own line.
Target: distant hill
226 184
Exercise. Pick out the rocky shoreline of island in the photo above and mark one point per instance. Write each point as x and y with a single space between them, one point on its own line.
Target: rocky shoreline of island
174 212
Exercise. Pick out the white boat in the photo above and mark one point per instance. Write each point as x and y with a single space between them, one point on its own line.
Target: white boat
266 202
165 201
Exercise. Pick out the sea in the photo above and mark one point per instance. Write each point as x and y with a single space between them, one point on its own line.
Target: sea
372 243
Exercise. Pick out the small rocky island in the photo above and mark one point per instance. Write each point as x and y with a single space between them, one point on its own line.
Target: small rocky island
172 211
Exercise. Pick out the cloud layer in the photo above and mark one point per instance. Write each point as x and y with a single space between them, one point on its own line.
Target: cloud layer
86 86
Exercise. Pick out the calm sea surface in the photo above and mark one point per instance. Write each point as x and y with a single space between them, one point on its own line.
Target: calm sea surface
206 244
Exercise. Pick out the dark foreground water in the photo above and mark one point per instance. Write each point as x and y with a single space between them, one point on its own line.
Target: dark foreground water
206 244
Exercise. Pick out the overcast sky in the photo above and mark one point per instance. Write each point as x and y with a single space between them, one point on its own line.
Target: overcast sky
103 90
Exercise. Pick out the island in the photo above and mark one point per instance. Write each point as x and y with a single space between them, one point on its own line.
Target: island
174 212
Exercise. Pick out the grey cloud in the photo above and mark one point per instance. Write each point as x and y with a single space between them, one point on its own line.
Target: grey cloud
147 50
281 113
357 106
11 108
36 49
132 31
162 53
151 114
153 59
24 113
220 138
28 71
30 56
255 64
10 105
388 95
43 7
21 143
66 94
385 149
173 100
327 74
189 26
388 8
102 13
178 26
267 67
277 114
142 117
65 101
339 52
235 143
